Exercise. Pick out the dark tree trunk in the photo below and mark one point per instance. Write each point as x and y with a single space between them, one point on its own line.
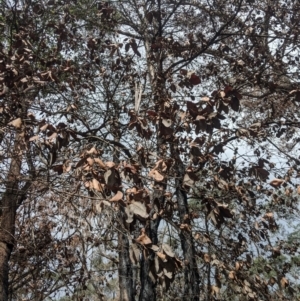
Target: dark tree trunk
125 266
9 203
148 287
191 273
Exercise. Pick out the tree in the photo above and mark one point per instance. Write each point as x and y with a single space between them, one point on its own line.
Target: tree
178 143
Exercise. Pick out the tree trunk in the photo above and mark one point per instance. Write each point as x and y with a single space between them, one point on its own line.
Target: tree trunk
191 273
5 252
125 265
148 287
9 203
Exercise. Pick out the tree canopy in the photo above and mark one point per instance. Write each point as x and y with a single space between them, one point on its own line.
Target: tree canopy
149 150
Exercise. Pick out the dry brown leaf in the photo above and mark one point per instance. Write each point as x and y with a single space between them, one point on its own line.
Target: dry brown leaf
96 185
143 238
231 275
197 236
269 215
215 290
33 138
276 182
155 248
44 127
53 136
90 161
110 164
185 227
17 123
272 281
156 175
206 257
168 250
187 181
67 166
162 256
92 151
100 163
117 197
139 209
284 282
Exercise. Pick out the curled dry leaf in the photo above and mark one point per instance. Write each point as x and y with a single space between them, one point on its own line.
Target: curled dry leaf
206 257
155 248
90 161
284 282
162 256
186 227
269 215
231 275
156 175
187 181
34 138
67 166
44 127
276 182
139 209
110 164
92 151
100 163
143 238
117 197
96 185
53 136
214 290
17 123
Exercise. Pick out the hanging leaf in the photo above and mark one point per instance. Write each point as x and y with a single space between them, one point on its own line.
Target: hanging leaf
168 250
97 186
17 123
139 209
162 256
276 182
100 163
143 238
156 175
195 79
235 104
117 197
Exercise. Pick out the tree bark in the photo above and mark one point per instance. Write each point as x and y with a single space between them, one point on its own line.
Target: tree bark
125 265
148 287
9 203
191 273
